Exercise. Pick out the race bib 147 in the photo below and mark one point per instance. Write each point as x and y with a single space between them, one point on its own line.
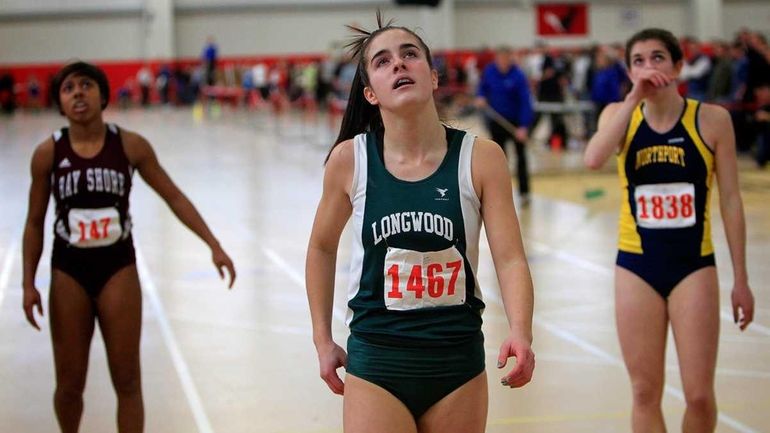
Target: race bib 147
94 227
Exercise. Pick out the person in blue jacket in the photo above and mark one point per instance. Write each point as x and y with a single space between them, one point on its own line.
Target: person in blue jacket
505 98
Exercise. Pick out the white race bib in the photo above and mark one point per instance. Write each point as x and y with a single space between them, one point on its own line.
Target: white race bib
94 227
665 205
415 279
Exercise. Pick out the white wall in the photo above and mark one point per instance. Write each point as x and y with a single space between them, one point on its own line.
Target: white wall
276 31
53 40
48 6
243 30
754 15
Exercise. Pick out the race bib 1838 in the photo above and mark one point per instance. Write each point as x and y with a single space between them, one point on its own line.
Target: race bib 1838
415 279
94 227
665 205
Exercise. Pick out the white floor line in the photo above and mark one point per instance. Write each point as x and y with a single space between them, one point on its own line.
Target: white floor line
570 258
5 273
578 309
295 276
188 386
591 348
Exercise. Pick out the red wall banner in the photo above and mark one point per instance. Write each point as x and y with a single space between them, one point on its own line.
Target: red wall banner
562 19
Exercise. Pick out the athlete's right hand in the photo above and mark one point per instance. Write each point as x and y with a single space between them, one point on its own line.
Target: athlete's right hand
647 82
32 299
331 357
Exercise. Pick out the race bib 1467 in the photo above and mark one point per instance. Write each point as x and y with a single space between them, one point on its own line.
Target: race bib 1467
415 279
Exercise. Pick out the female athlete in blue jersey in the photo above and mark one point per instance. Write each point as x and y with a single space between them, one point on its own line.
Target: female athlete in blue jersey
668 150
417 191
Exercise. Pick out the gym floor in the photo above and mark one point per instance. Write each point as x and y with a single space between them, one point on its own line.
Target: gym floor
243 361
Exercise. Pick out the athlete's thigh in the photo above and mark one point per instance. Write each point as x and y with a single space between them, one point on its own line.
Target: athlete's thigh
642 322
369 408
694 310
464 410
119 308
72 315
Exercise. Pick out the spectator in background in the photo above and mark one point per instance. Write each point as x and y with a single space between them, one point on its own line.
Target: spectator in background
7 97
758 55
163 83
34 97
606 81
184 91
582 64
144 78
261 83
738 75
720 83
124 93
762 122
553 81
696 71
504 96
740 70
209 57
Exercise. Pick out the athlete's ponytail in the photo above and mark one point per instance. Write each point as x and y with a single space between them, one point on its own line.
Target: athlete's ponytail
361 116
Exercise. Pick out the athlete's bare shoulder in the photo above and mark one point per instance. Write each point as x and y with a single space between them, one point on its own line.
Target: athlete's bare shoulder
714 123
342 153
42 157
136 147
340 166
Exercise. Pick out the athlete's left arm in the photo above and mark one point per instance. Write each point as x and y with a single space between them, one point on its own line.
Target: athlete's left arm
717 130
492 183
141 155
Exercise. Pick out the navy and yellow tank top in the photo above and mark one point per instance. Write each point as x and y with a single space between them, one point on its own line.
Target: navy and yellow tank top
91 194
666 184
415 249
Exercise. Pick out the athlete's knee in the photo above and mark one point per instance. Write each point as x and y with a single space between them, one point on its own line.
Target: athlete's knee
647 393
701 401
68 393
70 380
127 382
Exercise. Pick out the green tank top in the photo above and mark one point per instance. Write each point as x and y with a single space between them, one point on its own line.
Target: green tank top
415 249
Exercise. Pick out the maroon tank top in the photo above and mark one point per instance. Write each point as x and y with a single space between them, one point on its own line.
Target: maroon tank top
91 194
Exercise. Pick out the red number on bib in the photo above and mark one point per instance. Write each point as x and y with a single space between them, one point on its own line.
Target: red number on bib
687 209
92 229
394 290
456 267
657 207
643 208
435 283
673 209
415 282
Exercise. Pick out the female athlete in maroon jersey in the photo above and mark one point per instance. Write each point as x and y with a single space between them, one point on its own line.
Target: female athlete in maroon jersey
88 168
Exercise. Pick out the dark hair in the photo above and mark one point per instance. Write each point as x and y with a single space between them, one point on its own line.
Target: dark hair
664 36
83 69
361 116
